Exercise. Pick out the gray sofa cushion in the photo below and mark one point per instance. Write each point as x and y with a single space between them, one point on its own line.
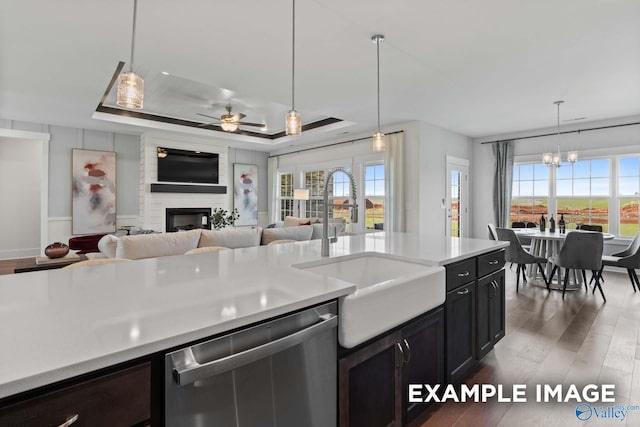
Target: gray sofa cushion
302 232
231 238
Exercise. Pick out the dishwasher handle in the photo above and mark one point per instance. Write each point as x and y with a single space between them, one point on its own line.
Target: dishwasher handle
195 371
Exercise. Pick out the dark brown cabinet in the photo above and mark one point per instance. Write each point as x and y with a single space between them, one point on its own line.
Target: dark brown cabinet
118 399
374 379
490 312
461 331
475 311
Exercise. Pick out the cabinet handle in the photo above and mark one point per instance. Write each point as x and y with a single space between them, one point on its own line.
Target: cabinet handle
402 354
494 262
466 291
465 274
493 286
406 344
69 421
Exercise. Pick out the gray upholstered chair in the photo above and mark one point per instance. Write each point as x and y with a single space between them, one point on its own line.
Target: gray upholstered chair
517 255
580 251
629 259
493 234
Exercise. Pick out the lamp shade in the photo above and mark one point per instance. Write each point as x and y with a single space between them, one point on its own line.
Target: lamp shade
301 194
130 91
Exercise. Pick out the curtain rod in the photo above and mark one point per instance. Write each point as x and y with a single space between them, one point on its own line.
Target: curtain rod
562 133
331 145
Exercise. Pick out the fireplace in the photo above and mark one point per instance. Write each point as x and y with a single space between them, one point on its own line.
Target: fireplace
187 219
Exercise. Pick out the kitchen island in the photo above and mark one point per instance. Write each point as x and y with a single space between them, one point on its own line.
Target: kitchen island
66 324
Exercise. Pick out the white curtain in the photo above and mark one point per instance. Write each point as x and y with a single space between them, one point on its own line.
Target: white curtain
272 182
394 182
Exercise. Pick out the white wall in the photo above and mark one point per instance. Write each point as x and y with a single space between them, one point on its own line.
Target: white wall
593 143
435 144
20 190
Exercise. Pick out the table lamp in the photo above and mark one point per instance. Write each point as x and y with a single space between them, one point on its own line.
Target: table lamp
300 194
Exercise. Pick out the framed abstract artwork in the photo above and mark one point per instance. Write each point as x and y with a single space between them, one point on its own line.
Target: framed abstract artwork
245 193
93 191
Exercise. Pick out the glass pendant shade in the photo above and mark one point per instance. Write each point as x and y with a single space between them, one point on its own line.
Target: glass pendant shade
228 126
378 142
572 156
130 91
547 158
293 125
557 160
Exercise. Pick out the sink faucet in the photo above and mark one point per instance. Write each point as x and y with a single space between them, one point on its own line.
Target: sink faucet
325 213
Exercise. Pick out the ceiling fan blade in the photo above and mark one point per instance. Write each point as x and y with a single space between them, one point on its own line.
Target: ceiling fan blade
238 117
208 124
260 125
211 117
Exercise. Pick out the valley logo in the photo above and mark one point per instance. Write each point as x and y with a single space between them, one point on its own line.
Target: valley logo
585 412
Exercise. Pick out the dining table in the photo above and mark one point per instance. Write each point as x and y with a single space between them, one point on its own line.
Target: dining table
547 244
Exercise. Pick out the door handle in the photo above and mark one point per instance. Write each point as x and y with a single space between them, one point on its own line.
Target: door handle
406 344
194 371
69 421
401 362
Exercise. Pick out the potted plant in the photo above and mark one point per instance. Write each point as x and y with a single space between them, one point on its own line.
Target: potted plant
221 218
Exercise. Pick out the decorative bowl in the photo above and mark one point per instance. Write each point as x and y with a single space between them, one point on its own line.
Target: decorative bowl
56 250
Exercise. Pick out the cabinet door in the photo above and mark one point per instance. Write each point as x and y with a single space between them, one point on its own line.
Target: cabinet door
486 293
497 313
424 358
369 385
461 331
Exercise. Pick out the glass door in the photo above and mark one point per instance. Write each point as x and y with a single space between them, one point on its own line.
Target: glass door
456 197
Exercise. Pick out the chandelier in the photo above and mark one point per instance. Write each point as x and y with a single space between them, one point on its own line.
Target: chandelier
551 159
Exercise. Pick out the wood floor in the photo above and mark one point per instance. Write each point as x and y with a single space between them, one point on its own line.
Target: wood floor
580 340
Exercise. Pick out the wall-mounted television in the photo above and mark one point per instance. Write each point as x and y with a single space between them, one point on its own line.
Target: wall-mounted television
187 166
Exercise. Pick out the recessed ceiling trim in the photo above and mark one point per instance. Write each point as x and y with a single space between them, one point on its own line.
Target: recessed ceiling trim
137 114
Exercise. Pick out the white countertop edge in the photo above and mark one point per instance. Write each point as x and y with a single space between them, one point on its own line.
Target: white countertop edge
471 253
67 372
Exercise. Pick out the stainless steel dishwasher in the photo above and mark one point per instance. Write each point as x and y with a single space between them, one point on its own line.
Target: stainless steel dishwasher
280 373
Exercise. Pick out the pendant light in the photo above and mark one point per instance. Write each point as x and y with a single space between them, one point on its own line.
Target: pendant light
551 159
293 125
378 137
131 86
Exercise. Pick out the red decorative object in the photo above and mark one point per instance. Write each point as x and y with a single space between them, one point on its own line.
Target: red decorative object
56 250
85 244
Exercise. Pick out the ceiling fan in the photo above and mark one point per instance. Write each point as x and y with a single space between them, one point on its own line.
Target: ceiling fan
230 122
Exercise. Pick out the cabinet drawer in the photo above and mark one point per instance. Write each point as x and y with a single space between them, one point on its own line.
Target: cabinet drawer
118 399
488 263
460 273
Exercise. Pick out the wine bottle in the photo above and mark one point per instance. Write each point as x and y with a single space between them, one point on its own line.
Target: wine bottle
561 224
552 224
543 224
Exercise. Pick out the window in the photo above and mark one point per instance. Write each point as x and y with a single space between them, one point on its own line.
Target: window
285 196
374 196
582 192
530 192
628 196
314 181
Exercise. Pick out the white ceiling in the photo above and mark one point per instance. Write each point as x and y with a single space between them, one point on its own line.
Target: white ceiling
475 67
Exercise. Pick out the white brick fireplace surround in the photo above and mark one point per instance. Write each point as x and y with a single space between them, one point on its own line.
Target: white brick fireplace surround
153 205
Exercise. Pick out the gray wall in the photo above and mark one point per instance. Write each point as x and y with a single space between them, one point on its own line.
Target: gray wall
63 140
250 157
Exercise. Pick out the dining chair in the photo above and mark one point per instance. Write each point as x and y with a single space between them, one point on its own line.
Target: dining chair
516 254
629 259
530 224
518 224
591 227
580 251
493 234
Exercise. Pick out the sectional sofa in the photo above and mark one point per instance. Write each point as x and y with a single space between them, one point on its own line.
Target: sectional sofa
164 244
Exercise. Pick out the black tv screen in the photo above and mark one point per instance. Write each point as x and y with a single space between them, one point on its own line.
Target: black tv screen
187 166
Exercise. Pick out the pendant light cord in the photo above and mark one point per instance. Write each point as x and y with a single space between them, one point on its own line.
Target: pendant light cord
133 34
293 57
378 58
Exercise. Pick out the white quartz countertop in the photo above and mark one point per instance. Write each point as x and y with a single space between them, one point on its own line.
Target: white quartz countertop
57 324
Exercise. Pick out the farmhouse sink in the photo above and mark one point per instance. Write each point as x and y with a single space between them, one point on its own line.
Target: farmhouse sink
389 291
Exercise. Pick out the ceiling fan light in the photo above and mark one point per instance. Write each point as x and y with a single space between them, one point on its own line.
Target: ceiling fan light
130 91
378 142
229 126
293 125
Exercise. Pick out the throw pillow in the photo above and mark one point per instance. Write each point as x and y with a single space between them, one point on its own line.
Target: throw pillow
286 233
